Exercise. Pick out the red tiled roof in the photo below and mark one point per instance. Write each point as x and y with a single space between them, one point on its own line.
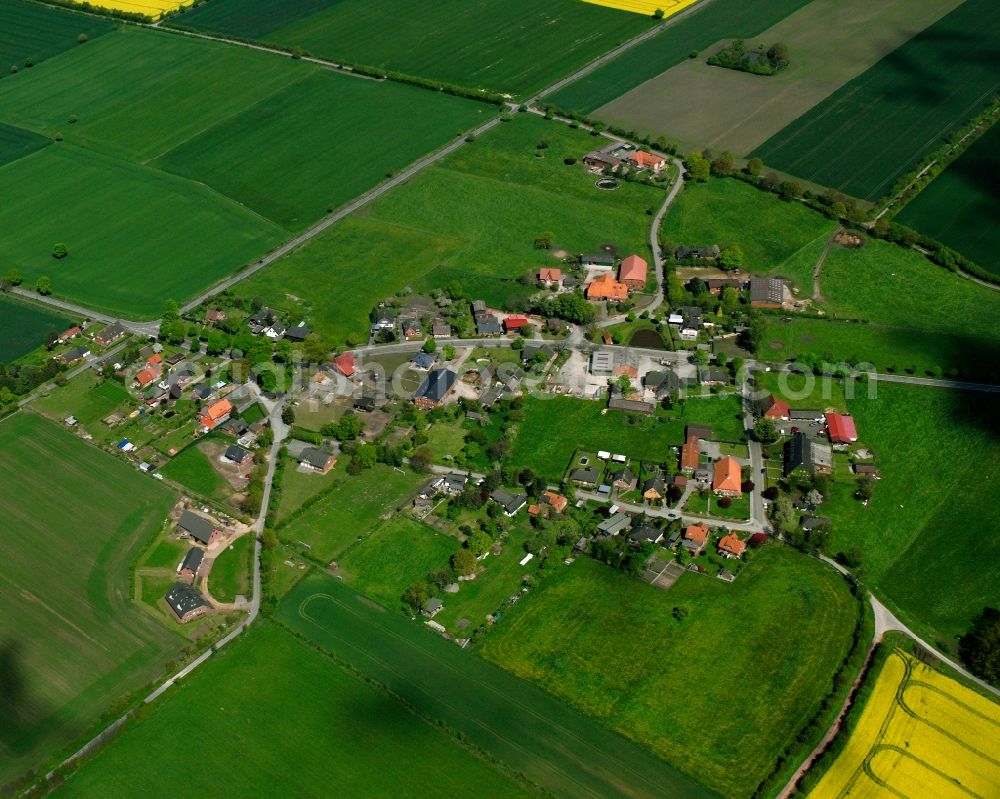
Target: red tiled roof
514 322
73 331
732 544
146 376
557 501
549 273
215 412
728 475
154 359
697 533
689 453
777 409
345 363
633 268
642 158
606 287
841 428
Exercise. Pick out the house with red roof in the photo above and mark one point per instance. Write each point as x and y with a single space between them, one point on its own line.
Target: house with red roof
345 364
642 160
773 408
690 454
550 276
146 376
606 287
695 537
154 360
727 479
512 323
730 546
215 414
68 335
840 427
632 272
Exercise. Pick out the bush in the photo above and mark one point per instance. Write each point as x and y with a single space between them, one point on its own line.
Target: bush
59 251
724 502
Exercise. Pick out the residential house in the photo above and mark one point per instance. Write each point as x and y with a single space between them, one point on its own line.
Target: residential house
345 364
213 316
605 287
805 415
238 455
276 330
641 160
626 370
586 476
514 323
435 388
201 529
385 319
215 414
365 404
261 321
423 360
632 272
645 533
690 454
602 160
695 538
299 333
317 459
867 470
432 607
440 329
110 334
702 431
624 479
202 391
479 307
602 363
68 335
840 427
511 503
73 355
191 563
631 406
730 546
802 454
557 502
616 523
144 377
770 407
712 377
549 276
531 349
727 478
186 603
653 489
233 427
410 327
766 292
602 260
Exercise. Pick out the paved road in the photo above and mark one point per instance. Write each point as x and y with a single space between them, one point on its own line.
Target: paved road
938 383
667 513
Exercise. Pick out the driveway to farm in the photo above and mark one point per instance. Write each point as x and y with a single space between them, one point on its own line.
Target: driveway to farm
666 513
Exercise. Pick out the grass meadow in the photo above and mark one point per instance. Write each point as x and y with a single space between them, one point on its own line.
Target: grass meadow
783 239
926 535
86 397
230 575
555 746
72 641
303 723
213 138
17 142
192 469
830 43
732 682
37 32
529 46
472 218
877 127
960 207
23 327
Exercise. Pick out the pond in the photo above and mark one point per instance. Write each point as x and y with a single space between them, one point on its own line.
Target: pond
647 339
607 184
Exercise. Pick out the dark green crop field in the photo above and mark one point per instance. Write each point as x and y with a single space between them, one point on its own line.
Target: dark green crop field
515 46
71 639
298 724
876 128
37 32
554 745
717 20
961 207
16 143
23 327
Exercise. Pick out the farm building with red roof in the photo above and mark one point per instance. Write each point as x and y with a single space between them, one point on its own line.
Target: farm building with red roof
841 429
345 364
727 479
632 273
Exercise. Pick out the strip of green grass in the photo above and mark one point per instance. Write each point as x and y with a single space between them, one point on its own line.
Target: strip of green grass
730 683
305 725
37 32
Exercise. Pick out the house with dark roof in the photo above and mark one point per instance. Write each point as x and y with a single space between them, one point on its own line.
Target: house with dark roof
653 489
805 455
586 476
410 327
198 527
365 403
599 259
766 292
713 377
440 329
867 470
317 459
192 562
435 388
624 479
423 360
110 334
236 454
645 533
73 355
186 602
616 523
511 503
299 333
631 406
488 325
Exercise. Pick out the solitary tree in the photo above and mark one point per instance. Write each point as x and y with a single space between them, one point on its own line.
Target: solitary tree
765 432
430 346
43 285
13 277
754 167
463 562
479 542
448 352
59 251
731 257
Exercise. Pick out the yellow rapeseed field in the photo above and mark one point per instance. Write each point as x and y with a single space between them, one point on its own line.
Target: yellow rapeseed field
920 734
646 7
153 9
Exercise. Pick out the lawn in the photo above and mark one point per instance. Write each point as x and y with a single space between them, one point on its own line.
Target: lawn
701 27
303 723
73 642
167 554
297 487
445 440
351 511
610 645
230 575
783 239
36 33
552 744
473 218
193 470
926 536
877 127
23 327
87 397
213 138
960 207
398 554
830 44
555 427
709 505
805 390
529 45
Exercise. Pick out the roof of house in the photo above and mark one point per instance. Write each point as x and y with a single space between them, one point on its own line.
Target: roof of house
798 453
557 501
653 484
804 413
75 330
192 559
732 544
198 527
74 354
633 268
689 453
709 375
439 328
345 363
549 273
615 523
590 474
146 376
488 325
602 361
298 333
437 384
236 453
645 532
317 457
184 598
841 428
533 348
727 475
365 403
698 431
623 476
112 331
769 290
631 406
424 360
605 287
217 410
865 468
626 369
697 533
773 408
642 158
511 503
154 359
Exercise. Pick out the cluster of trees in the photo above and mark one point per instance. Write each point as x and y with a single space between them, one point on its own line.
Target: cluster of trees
758 61
570 305
979 648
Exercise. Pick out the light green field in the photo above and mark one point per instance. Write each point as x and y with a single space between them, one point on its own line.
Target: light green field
473 219
730 683
72 641
297 487
302 722
230 573
86 397
193 470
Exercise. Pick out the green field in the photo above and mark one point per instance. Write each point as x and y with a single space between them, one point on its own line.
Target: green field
876 128
554 428
17 142
230 575
23 327
777 237
212 137
301 722
705 26
351 510
86 397
36 32
529 46
556 747
72 641
960 207
398 554
830 43
730 683
297 487
193 470
927 534
473 218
